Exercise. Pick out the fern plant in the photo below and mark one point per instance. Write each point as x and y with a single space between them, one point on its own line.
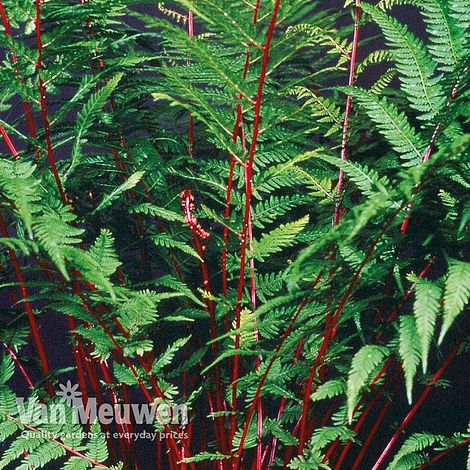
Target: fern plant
245 223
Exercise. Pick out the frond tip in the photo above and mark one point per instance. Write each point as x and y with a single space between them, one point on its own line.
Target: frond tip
364 363
410 351
278 239
414 63
426 308
457 292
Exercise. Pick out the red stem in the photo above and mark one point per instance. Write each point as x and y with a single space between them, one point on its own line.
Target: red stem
330 332
19 365
367 410
373 430
239 124
8 142
444 453
81 355
78 354
82 358
141 384
415 407
144 363
427 155
255 15
347 113
187 200
134 372
124 445
284 400
248 197
191 120
42 97
422 274
269 366
225 235
228 196
138 217
338 214
378 421
259 448
282 405
26 105
28 308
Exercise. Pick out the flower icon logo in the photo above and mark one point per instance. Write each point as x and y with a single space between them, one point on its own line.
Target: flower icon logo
70 393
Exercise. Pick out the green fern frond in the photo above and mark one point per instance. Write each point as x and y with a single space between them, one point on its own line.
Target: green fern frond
415 443
330 389
446 38
167 241
207 456
416 67
8 401
269 209
104 253
7 429
276 429
178 17
86 117
20 445
97 448
365 179
459 10
130 183
322 36
388 4
161 212
278 239
383 81
18 183
312 457
54 232
85 263
75 463
268 284
43 455
323 436
246 332
410 462
410 351
166 358
179 287
392 124
7 369
457 292
375 58
26 247
319 188
323 109
363 364
251 438
426 309
138 310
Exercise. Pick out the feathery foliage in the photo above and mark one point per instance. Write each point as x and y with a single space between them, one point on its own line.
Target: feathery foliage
255 213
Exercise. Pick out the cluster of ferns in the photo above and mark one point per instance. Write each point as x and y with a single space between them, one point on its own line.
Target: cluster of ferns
259 210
